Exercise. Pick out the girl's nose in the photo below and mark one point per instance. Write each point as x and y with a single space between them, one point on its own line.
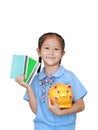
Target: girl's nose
51 51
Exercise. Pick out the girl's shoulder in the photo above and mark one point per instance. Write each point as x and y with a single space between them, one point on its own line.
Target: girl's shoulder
66 71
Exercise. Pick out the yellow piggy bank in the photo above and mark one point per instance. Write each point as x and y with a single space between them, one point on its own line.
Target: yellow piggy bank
62 93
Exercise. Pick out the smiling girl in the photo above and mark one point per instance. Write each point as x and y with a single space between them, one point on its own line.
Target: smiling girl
49 116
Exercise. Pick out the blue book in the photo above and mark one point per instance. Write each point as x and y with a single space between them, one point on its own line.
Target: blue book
22 64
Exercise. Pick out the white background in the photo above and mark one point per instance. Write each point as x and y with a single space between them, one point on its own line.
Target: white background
21 24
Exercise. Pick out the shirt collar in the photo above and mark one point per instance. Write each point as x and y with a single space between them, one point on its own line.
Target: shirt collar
58 73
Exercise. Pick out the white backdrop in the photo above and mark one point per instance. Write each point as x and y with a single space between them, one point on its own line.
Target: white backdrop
21 24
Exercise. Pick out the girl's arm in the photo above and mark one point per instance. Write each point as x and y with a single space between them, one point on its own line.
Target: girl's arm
32 99
78 106
31 95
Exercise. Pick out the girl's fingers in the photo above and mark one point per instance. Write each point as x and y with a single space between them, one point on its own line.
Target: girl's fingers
49 101
18 78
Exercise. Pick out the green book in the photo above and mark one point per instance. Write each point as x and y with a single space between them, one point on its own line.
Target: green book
22 64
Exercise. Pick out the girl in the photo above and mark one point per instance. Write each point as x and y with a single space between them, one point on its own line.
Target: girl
48 116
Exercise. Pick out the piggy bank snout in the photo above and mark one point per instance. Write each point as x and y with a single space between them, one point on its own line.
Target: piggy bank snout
63 95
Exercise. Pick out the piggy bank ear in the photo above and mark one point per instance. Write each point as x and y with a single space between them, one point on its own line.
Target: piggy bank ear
69 86
55 87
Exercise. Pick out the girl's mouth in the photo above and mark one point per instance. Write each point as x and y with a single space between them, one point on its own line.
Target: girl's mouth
50 58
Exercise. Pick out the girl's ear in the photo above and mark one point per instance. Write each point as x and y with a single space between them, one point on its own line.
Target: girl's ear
63 53
38 51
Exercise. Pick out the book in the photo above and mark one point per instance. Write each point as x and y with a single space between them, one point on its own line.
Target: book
23 64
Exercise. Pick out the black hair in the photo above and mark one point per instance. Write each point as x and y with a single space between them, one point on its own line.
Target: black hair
40 61
44 37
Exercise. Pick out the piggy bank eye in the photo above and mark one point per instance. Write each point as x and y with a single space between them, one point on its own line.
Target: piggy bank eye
58 91
67 91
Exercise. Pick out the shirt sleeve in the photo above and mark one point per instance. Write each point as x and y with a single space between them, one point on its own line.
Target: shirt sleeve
26 96
79 91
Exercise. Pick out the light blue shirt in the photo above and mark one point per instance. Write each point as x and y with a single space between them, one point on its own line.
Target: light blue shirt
44 115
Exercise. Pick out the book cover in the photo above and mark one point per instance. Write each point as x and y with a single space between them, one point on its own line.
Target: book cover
22 64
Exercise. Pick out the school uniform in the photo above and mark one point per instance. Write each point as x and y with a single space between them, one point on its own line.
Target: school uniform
45 119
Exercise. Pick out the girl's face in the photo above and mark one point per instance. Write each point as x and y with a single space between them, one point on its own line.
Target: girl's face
51 51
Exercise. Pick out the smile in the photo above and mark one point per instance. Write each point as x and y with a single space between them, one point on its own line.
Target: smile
50 58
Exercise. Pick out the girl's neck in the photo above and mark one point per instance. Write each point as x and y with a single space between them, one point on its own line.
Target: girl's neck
49 70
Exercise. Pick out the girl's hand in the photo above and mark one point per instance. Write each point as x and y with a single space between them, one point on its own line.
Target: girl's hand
54 108
20 81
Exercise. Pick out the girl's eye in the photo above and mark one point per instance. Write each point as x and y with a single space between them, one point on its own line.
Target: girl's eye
56 49
46 47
